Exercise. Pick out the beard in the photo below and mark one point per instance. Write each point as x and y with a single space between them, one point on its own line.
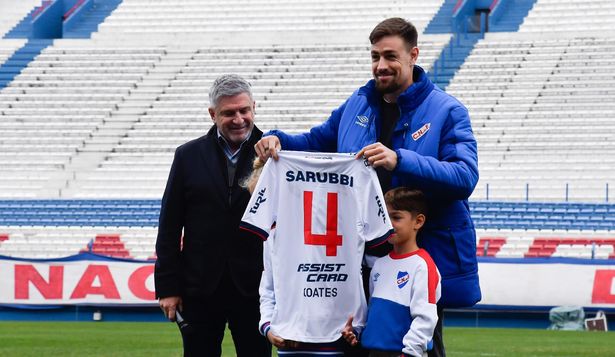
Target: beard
387 88
391 87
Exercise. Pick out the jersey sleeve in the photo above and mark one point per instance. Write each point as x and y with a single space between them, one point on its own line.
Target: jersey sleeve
423 310
376 224
261 211
266 289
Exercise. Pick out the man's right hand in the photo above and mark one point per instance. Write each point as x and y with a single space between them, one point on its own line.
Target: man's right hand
169 305
268 147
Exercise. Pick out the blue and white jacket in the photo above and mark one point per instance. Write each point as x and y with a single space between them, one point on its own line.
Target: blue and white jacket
436 153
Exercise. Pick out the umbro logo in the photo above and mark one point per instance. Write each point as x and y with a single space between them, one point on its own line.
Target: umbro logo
362 120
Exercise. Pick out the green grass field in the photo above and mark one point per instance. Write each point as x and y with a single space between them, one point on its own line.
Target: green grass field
162 339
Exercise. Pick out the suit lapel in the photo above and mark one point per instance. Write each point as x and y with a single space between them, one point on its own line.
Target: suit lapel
213 164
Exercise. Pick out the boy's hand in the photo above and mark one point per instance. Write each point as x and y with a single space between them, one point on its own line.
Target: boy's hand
275 340
280 342
348 333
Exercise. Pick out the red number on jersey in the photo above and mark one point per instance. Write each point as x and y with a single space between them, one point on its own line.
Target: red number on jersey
331 240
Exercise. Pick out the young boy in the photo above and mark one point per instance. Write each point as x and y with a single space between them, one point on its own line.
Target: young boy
404 286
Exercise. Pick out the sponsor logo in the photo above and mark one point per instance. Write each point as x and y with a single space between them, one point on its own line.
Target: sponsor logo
259 199
402 278
362 120
376 276
322 272
381 210
419 133
319 157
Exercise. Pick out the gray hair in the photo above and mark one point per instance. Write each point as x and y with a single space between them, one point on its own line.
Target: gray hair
228 85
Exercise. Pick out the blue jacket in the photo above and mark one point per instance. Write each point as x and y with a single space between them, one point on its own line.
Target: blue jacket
436 152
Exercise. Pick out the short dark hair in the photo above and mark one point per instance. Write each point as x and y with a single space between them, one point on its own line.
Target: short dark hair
406 199
395 26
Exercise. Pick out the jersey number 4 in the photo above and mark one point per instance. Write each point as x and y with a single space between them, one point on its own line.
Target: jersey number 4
331 240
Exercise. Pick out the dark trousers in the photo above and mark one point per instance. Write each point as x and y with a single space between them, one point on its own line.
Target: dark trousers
438 340
208 316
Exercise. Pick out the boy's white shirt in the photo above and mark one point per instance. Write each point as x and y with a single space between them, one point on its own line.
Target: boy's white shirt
298 308
266 288
415 295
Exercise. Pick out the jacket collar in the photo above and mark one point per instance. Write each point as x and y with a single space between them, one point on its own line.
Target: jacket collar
410 99
214 160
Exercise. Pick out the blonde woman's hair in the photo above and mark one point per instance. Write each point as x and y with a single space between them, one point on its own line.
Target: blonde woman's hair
250 182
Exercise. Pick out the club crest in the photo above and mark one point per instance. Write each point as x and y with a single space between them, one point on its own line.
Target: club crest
402 278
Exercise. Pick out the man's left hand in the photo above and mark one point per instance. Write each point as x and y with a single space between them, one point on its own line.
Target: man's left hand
379 155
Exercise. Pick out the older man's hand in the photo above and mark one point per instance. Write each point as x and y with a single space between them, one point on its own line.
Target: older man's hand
268 147
169 305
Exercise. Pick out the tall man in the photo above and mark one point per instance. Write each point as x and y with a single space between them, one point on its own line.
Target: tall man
415 135
212 275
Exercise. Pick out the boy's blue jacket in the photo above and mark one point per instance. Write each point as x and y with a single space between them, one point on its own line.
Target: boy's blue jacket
436 152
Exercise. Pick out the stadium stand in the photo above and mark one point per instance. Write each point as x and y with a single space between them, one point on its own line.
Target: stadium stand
108 244
8 47
516 11
541 244
570 17
167 17
128 104
515 87
95 14
56 242
137 242
512 229
12 13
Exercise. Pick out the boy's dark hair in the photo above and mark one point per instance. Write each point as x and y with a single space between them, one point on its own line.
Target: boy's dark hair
406 199
395 26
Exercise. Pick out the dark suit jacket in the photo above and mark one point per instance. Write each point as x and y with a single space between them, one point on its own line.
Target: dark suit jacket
198 199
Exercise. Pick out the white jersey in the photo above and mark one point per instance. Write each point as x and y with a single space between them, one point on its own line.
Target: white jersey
326 208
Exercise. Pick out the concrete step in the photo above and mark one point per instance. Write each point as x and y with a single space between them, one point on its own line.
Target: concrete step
106 132
131 104
102 148
120 118
118 125
103 140
129 111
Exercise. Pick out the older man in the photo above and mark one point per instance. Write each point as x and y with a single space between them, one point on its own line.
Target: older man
211 276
